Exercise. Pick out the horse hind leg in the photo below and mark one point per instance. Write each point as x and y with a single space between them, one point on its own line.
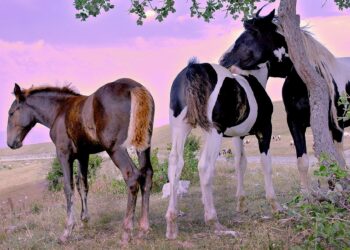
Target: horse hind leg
179 132
240 161
264 145
206 167
146 185
83 187
131 175
67 168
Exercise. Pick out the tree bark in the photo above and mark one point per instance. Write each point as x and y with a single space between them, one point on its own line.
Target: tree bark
316 85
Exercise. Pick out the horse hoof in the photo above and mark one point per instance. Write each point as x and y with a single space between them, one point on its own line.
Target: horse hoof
171 226
83 225
142 233
241 208
85 219
171 231
126 238
221 230
62 239
276 207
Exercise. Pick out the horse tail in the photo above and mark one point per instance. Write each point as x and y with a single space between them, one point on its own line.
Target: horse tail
141 119
197 95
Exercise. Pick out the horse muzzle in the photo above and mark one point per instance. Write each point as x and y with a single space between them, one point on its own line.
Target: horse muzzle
15 145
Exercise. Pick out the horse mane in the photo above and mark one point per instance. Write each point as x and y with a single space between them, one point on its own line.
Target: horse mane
321 59
66 90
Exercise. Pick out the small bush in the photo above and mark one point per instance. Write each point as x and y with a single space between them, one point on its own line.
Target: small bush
326 221
55 175
118 186
35 208
160 172
160 169
189 171
325 226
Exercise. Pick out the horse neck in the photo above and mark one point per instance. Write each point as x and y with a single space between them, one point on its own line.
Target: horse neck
280 69
46 106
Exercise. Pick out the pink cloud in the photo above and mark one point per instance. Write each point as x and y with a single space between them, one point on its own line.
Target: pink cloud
153 62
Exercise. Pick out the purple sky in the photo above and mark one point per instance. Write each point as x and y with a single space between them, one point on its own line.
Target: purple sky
42 42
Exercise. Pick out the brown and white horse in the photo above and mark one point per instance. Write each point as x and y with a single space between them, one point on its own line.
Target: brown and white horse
118 115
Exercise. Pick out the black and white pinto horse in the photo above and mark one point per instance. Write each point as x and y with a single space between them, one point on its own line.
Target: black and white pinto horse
263 41
223 105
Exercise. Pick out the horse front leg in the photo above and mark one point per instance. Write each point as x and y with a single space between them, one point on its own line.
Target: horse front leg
264 139
67 168
83 186
131 175
240 161
298 133
146 185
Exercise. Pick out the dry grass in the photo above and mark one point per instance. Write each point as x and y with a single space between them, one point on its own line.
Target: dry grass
38 224
33 218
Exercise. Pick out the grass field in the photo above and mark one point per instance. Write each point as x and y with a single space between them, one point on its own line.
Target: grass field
33 218
37 224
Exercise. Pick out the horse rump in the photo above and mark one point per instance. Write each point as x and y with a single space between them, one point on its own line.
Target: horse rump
197 95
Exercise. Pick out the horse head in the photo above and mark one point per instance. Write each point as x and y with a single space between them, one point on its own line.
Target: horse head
260 42
21 119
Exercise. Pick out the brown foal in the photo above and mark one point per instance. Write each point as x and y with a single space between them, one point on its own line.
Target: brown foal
118 115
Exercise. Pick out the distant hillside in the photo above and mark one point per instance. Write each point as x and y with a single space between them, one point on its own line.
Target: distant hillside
2 139
162 137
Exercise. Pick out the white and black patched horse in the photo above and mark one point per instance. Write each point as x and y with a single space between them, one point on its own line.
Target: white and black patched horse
263 41
223 105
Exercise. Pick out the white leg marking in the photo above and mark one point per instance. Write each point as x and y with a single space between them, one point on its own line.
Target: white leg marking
69 226
179 130
303 166
240 166
206 167
270 192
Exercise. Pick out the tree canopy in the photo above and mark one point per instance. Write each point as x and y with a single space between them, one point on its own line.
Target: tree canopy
200 9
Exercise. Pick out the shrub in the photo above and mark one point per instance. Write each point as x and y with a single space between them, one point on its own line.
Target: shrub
118 186
160 169
55 175
326 221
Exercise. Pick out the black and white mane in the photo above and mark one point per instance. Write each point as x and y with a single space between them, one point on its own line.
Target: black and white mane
263 41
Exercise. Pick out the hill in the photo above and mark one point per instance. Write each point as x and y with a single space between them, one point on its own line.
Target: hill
162 137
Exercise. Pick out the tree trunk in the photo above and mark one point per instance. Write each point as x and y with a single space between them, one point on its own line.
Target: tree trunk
316 85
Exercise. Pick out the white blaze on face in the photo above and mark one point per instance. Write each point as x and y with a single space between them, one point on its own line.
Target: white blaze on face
279 53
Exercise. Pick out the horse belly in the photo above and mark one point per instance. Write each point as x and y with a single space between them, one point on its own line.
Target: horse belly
243 128
88 121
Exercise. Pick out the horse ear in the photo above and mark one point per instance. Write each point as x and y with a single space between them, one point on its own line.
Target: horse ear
270 16
249 24
18 92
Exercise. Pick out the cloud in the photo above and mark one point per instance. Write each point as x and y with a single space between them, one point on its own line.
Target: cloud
154 62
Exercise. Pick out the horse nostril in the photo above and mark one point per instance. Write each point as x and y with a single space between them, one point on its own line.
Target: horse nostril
14 145
223 62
